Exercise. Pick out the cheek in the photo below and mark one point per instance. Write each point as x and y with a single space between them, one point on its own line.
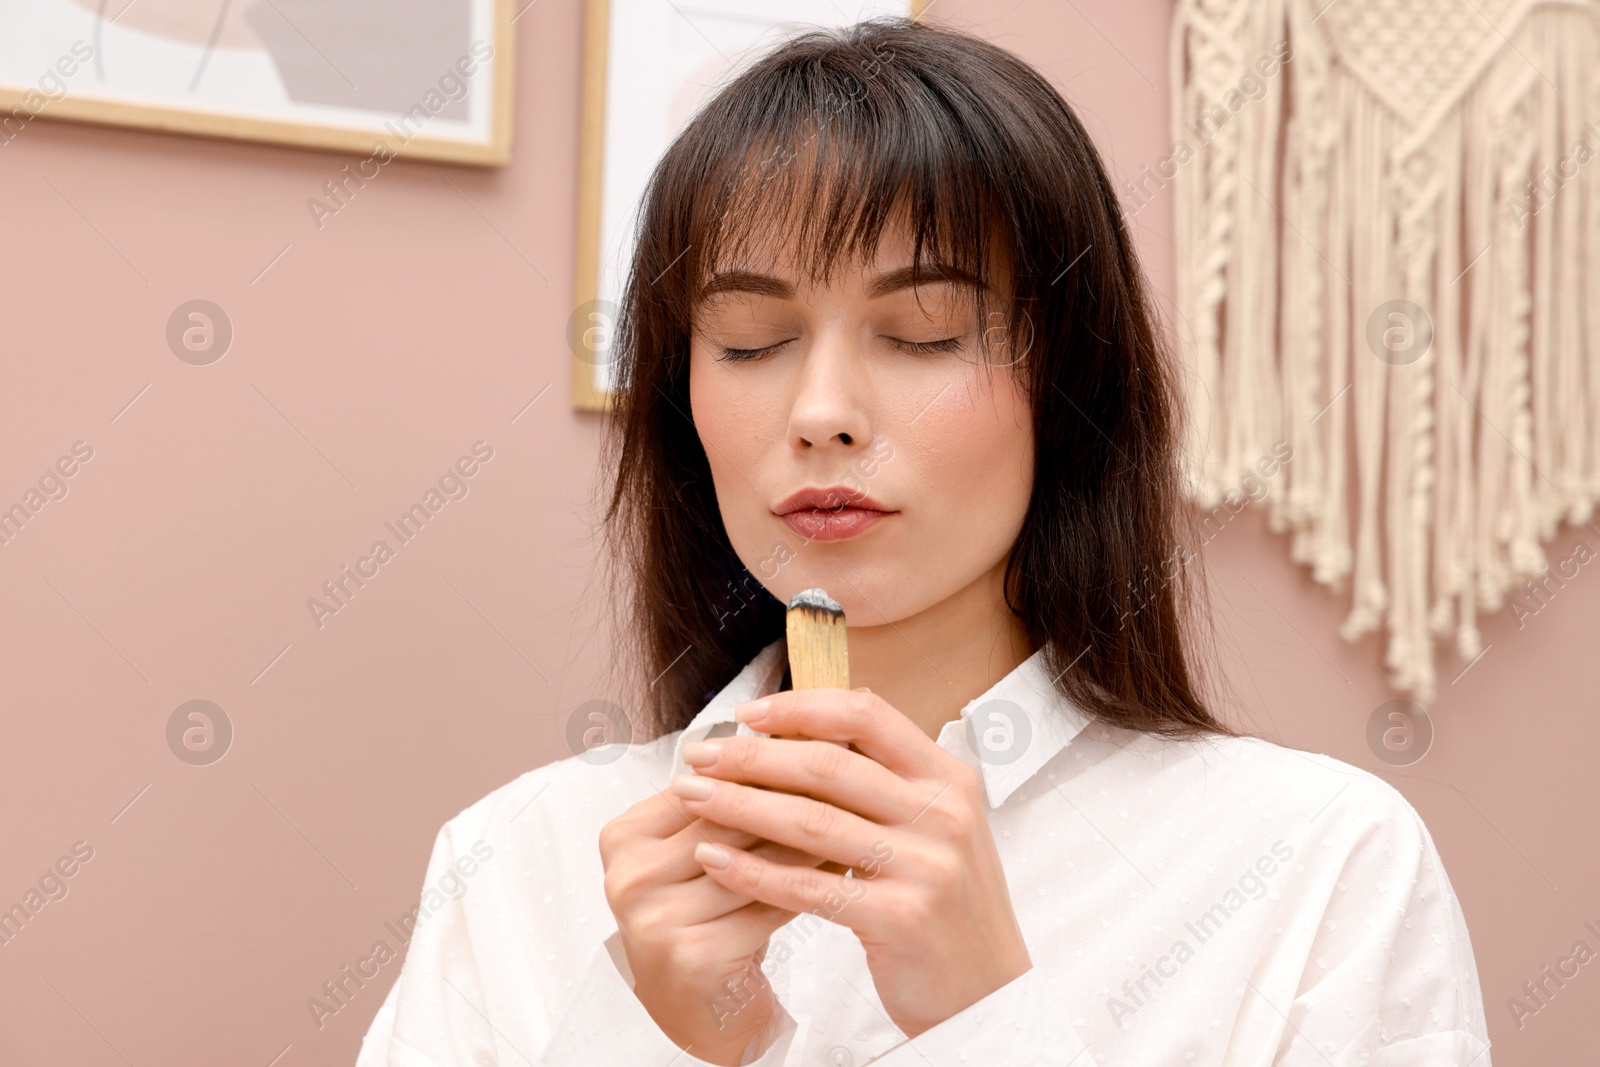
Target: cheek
976 452
731 416
714 400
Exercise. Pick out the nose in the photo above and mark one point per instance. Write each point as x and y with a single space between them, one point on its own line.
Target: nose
832 398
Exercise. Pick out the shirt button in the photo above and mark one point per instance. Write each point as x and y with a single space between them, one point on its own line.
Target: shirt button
839 1056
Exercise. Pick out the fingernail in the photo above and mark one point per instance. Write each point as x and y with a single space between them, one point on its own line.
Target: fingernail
710 855
692 786
701 753
752 712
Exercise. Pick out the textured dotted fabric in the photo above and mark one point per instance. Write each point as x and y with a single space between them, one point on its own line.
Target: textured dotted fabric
1226 901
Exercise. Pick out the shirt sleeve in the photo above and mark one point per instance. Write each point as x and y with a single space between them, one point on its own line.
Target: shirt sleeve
375 1044
433 1015
1388 978
607 1024
436 1015
1021 1023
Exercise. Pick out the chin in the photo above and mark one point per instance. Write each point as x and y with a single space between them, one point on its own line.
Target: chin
876 599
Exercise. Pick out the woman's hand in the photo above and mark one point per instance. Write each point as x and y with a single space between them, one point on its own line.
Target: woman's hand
928 900
694 945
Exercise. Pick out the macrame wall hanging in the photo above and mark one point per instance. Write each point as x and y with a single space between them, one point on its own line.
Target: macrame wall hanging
1388 219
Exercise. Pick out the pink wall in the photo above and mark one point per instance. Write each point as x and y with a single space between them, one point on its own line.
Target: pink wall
367 359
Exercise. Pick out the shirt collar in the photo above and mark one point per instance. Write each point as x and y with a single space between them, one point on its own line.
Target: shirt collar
1006 734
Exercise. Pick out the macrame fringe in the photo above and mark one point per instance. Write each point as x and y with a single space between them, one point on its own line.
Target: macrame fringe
1369 194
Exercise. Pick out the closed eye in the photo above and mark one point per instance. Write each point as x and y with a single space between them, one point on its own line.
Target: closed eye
948 344
735 355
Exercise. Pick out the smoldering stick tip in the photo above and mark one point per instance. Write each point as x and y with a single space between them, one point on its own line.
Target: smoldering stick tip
815 598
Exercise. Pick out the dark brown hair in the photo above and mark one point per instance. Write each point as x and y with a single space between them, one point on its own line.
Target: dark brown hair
820 142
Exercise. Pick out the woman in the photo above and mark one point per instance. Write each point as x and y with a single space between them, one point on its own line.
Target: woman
885 334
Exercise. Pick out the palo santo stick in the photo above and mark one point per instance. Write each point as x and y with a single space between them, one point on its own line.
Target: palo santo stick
819 654
819 651
818 658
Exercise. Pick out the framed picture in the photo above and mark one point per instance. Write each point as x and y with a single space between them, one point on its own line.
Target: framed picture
648 66
425 79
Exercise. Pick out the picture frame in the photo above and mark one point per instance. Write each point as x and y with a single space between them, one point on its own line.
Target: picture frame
412 79
647 66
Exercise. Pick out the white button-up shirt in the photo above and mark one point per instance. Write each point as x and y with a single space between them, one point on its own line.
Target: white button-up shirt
1221 901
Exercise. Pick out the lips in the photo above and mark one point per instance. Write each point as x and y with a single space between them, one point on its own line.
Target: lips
830 513
829 498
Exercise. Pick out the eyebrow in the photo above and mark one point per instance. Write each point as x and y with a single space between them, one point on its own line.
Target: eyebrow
744 281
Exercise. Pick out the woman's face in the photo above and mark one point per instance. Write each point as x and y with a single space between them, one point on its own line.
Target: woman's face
875 390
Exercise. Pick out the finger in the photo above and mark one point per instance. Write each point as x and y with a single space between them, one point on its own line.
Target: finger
668 861
791 889
749 928
876 728
659 815
699 899
675 862
820 769
800 822
694 829
744 924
